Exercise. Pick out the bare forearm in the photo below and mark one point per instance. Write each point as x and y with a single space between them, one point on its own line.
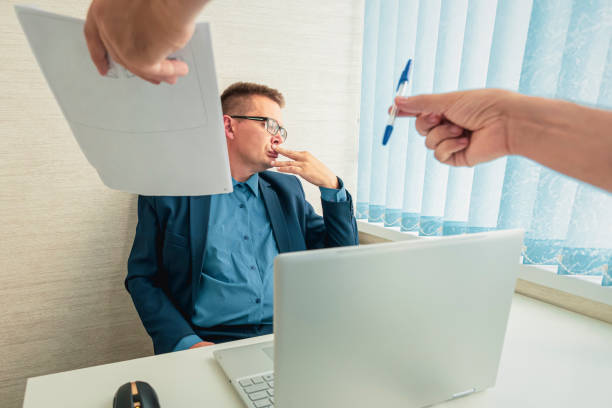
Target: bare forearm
569 138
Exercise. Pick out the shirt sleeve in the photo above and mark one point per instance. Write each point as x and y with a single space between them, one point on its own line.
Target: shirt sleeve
332 194
186 342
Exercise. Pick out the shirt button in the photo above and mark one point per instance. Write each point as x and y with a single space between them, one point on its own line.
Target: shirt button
252 268
241 205
246 237
258 300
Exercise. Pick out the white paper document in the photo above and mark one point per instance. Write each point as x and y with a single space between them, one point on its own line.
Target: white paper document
141 138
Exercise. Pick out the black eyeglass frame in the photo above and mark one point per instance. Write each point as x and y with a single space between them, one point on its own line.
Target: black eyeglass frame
281 130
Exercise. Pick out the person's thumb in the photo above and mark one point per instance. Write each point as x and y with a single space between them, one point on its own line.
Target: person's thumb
433 103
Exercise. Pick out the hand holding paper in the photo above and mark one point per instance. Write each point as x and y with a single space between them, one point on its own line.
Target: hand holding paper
140 35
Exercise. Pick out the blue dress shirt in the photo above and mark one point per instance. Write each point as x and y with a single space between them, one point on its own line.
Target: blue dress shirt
236 283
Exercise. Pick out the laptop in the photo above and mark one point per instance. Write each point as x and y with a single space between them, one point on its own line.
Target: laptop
141 138
403 324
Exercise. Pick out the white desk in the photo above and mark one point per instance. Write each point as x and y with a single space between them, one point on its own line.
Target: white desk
551 358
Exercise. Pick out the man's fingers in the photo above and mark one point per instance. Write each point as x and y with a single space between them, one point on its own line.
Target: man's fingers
109 50
167 70
438 134
415 105
286 152
425 122
112 54
290 169
447 149
202 344
172 68
100 54
285 163
96 47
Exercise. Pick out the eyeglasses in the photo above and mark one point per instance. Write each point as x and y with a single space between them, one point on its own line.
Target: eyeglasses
272 125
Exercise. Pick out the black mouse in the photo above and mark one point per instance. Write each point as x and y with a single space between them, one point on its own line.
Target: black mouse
136 394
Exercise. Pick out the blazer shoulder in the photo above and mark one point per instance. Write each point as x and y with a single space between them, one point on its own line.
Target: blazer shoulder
163 201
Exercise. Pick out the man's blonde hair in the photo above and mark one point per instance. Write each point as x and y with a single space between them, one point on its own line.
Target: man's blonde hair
235 100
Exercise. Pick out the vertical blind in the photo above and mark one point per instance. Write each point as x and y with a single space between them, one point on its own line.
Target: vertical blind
550 48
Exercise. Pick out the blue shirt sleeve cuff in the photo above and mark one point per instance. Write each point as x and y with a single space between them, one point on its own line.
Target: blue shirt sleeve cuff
186 342
334 195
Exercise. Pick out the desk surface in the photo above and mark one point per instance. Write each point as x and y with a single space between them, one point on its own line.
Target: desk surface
551 357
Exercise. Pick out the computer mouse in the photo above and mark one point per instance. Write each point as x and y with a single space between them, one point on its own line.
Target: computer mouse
136 394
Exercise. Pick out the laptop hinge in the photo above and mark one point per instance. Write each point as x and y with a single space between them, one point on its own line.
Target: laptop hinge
464 393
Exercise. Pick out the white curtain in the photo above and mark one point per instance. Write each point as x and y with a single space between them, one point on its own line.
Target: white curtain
550 48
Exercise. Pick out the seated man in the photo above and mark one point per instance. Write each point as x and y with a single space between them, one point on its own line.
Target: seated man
200 270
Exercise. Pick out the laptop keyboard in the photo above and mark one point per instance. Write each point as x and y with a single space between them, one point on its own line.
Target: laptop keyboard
259 390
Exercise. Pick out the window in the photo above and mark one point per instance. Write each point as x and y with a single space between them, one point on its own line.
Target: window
550 48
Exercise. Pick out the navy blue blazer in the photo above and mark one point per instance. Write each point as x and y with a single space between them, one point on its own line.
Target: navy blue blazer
168 250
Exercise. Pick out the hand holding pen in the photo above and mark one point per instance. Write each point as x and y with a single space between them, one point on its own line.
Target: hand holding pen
467 127
402 88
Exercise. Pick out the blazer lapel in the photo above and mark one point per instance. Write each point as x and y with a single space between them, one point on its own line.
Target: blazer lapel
199 212
275 215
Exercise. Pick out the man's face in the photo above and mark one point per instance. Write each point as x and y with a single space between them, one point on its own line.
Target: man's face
251 145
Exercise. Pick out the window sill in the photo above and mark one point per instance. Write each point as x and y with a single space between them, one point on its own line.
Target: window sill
578 294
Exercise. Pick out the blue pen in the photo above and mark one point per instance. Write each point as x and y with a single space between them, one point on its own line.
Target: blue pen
402 87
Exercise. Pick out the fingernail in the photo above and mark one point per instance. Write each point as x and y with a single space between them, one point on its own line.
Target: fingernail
463 140
401 100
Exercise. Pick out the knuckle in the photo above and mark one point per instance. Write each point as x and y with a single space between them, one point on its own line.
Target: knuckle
420 128
429 142
439 155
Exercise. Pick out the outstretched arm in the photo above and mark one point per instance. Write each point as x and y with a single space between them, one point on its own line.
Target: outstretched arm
470 127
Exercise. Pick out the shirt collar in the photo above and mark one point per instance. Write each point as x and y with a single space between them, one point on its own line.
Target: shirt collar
252 183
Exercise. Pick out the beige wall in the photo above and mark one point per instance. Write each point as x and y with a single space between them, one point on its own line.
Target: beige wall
65 238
